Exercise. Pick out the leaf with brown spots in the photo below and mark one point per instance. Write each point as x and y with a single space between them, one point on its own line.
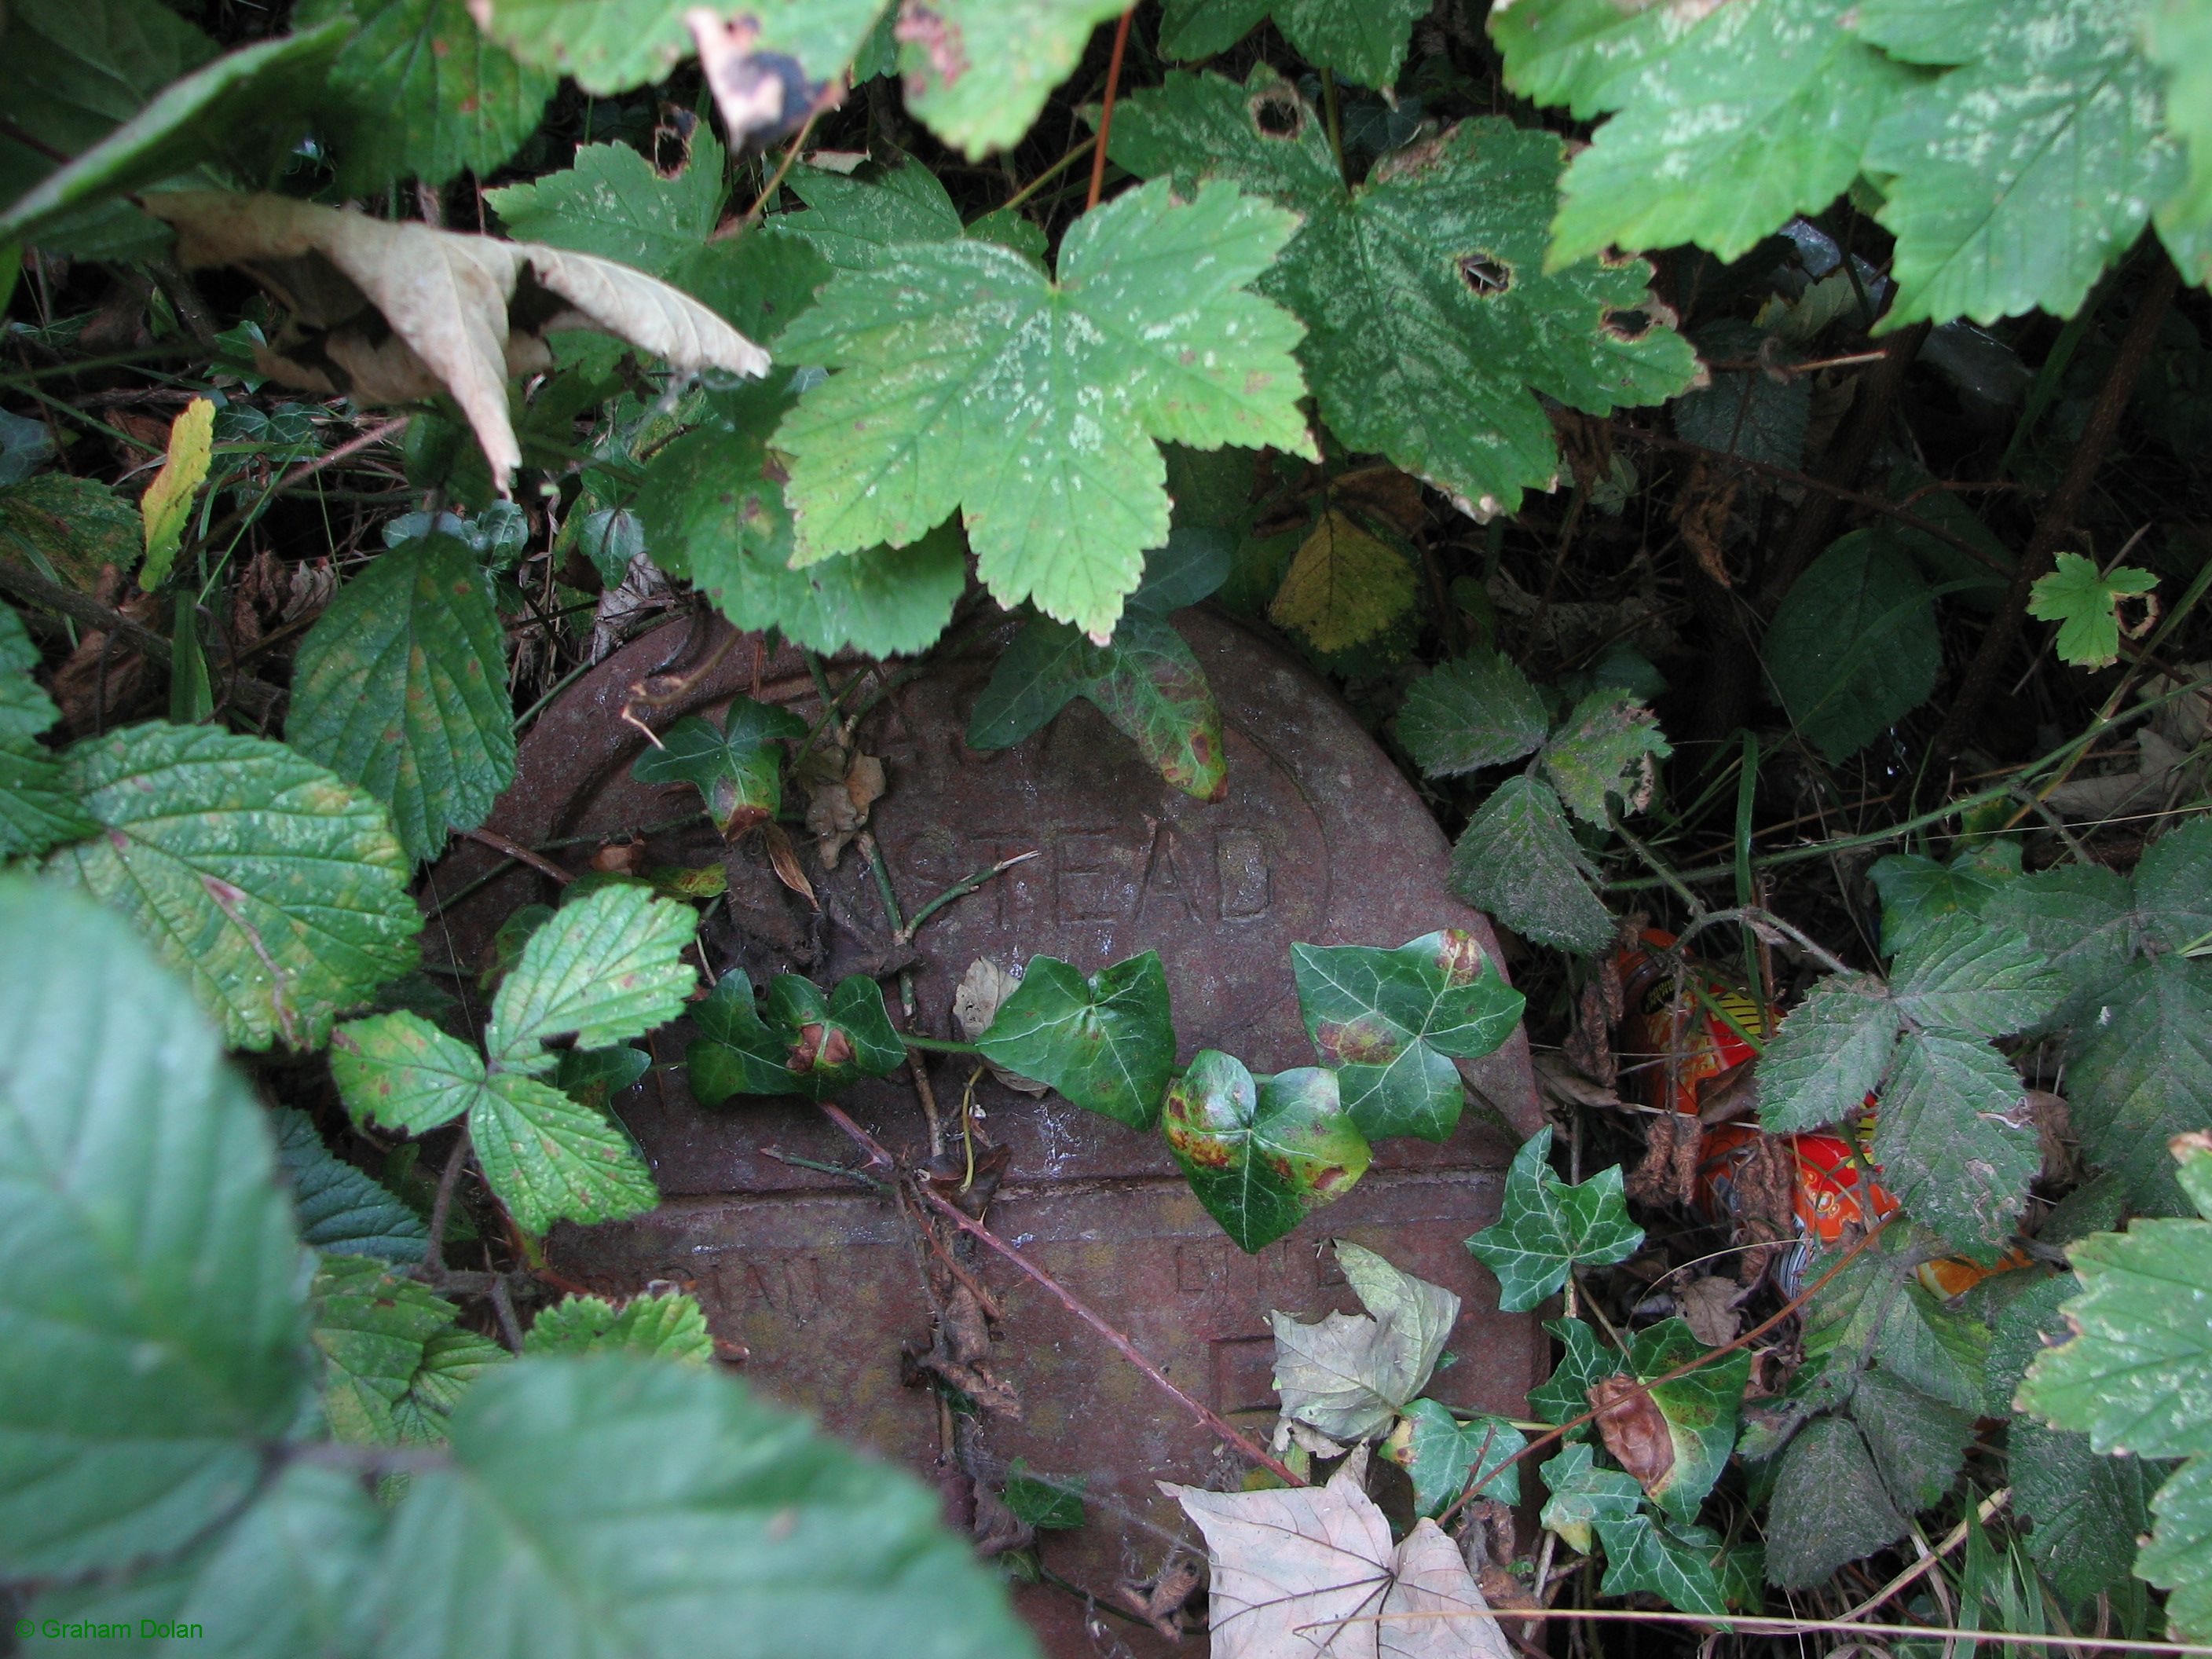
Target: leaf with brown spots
1261 1157
800 1043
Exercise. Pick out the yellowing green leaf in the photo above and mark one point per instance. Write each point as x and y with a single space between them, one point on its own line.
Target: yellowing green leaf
665 1324
1344 586
166 505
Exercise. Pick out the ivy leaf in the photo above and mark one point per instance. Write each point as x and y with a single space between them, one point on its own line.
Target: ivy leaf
713 511
1605 747
1675 1564
1433 327
1854 648
1582 1494
341 1212
550 1159
2139 1071
1697 1414
1829 1506
2016 178
1145 681
614 203
418 91
2085 603
633 1464
1062 389
1391 1023
607 968
401 687
275 888
371 1328
1546 1227
1564 1396
737 767
1828 1055
1763 111
663 1325
150 1335
166 508
1350 1375
1107 1043
808 1044
1443 1454
37 810
1472 712
1261 1158
1343 587
399 1071
1363 41
1517 859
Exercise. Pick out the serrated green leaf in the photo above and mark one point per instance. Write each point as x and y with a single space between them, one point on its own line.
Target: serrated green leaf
1854 648
1643 1554
2085 603
150 1326
277 888
2139 1071
613 203
1546 1227
1472 712
67 527
859 221
1954 1141
981 74
2179 1555
341 1212
1443 1454
2084 1511
1107 1043
400 1071
1517 859
1828 1506
2081 919
401 687
1916 891
2014 179
38 808
607 967
1564 1396
1828 1055
420 92
371 1328
550 1159
1876 1309
665 1325
1971 974
452 1360
1765 110
1343 587
2173 886
737 767
1045 1502
807 1044
1350 1375
1590 55
1432 324
1061 389
1391 1023
1261 1157
611 46
2177 37
1919 1444
1582 1494
1363 41
703 1512
1605 747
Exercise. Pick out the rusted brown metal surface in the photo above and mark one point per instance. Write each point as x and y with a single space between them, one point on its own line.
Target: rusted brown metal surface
819 1279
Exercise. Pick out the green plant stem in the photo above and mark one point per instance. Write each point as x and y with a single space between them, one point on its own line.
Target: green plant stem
937 1045
1047 176
960 889
1334 116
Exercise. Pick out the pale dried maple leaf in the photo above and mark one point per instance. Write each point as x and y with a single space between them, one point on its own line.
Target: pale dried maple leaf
389 312
1311 1572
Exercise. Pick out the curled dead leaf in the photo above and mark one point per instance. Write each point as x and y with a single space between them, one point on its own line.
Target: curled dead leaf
1634 1428
840 792
389 312
976 1003
1709 1306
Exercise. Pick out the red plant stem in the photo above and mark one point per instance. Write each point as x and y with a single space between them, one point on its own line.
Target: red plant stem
1121 1345
1106 110
521 855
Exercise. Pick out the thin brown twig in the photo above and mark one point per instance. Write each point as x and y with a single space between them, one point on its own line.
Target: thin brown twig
1121 1345
434 1254
1106 109
1956 1536
521 855
1761 1623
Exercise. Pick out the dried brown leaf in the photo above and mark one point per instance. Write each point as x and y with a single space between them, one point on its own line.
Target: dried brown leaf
1634 1428
391 312
976 1005
1709 1308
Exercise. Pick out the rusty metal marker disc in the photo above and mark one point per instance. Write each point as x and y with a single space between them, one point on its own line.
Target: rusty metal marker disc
816 1277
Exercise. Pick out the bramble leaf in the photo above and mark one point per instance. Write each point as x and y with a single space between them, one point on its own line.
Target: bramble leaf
1432 325
1854 648
371 1328
607 967
38 809
1363 41
1472 712
1546 1227
1261 1158
1828 1055
1107 1043
663 1325
2139 1071
969 380
149 1337
1972 974
2085 603
1605 747
1343 587
1391 1023
737 767
400 1071
1350 1375
1517 859
341 1212
550 1159
275 888
401 687
1829 1506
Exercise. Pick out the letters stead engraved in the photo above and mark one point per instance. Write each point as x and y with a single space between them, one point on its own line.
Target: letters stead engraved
1164 874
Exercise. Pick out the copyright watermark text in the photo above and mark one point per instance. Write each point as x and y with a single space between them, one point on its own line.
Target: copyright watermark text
90 1630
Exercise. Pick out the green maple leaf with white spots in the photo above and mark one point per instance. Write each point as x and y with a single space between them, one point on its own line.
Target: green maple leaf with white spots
966 378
